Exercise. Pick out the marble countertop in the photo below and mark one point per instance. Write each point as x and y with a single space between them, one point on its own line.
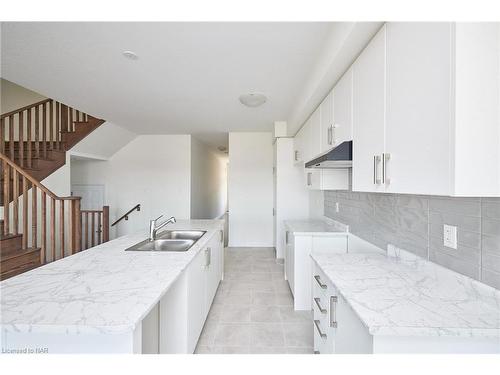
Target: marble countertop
314 227
104 289
403 295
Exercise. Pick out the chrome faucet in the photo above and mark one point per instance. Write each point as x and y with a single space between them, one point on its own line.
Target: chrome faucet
153 228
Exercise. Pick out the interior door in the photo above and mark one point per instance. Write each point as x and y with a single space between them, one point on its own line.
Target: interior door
369 116
92 196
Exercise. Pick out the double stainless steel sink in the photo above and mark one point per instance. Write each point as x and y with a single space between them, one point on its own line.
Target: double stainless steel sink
170 240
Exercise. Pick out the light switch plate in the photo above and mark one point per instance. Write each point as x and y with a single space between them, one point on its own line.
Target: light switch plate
337 207
450 236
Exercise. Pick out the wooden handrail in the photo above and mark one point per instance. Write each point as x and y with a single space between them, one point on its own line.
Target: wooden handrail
125 216
33 180
4 115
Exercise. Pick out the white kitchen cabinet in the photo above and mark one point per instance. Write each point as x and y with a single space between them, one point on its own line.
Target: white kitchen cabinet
184 308
326 123
213 270
314 148
342 109
327 179
369 116
301 144
417 137
337 328
196 299
431 126
298 266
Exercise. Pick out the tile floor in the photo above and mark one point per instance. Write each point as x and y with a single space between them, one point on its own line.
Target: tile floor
253 309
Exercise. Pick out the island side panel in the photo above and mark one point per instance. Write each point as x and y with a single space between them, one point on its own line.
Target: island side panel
71 343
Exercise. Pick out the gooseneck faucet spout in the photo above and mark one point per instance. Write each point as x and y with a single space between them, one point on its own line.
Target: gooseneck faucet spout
154 228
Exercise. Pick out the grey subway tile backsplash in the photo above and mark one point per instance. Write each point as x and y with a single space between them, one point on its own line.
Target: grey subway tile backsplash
415 223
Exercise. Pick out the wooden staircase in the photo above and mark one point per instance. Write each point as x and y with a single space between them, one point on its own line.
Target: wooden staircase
37 226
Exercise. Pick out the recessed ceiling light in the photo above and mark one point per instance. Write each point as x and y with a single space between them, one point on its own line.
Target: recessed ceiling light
253 99
130 55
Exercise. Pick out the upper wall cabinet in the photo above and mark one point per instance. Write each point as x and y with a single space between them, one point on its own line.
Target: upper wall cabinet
369 115
418 108
326 123
436 129
342 109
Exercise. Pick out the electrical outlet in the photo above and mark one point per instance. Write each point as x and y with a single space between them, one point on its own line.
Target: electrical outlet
337 207
450 236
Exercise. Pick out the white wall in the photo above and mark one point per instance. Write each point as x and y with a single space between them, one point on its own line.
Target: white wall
153 170
13 96
103 142
208 182
250 189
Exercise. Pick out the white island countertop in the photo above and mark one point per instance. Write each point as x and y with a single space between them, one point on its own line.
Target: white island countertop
104 289
409 296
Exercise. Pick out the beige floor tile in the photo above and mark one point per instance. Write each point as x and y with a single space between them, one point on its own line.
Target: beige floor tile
298 334
233 335
253 309
208 333
289 315
234 314
264 299
267 334
265 314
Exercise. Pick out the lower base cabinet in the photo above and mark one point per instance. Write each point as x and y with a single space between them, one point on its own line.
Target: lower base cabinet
184 308
298 264
337 329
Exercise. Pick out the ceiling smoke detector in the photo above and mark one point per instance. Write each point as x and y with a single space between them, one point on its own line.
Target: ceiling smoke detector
253 99
130 55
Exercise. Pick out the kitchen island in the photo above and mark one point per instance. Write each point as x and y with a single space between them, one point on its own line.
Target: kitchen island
108 300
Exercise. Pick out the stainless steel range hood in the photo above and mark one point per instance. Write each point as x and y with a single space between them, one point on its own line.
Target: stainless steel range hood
340 157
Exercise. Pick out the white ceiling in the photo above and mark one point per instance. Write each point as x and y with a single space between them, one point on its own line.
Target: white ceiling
187 79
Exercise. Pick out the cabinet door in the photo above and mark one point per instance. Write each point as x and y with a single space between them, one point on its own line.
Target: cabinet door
291 262
298 146
369 116
315 134
342 109
313 179
307 140
326 123
327 179
418 107
197 308
350 335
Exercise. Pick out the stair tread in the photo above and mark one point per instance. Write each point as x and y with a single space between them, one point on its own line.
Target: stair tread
21 252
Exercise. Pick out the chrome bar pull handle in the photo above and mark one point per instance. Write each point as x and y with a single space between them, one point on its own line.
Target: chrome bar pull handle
330 134
318 280
321 310
374 169
321 334
207 256
333 311
385 158
376 163
286 238
296 155
309 175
